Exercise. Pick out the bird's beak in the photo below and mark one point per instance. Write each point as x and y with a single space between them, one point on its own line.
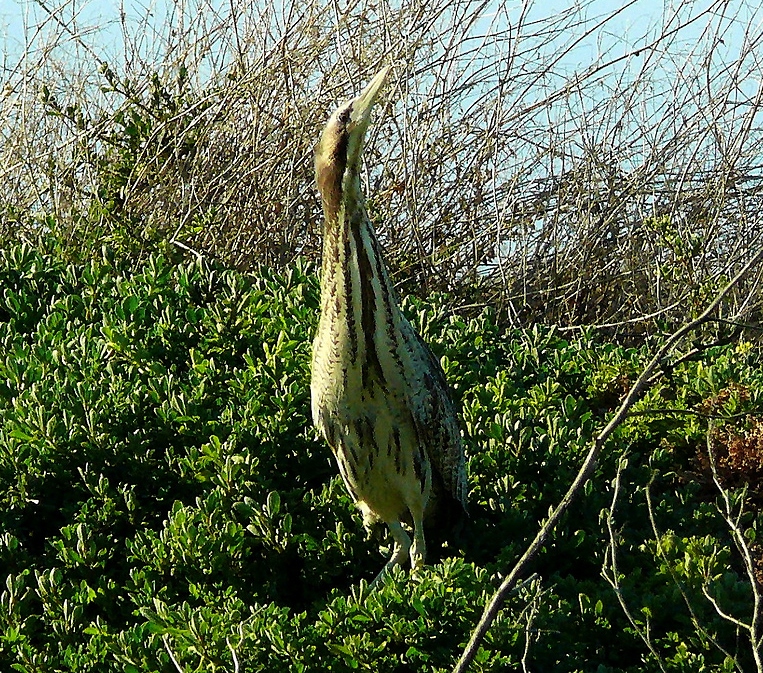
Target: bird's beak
361 106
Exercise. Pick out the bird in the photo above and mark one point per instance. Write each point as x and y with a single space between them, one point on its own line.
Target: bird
379 396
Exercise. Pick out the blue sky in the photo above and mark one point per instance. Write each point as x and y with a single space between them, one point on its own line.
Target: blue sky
97 22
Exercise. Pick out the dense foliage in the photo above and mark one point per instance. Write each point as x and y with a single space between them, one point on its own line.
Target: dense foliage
163 494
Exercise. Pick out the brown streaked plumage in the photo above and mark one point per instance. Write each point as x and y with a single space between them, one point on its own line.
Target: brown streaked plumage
379 396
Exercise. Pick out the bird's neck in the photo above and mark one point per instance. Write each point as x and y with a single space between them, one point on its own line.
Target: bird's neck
353 263
351 250
357 296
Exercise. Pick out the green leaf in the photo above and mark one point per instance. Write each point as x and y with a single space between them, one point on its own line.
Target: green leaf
273 503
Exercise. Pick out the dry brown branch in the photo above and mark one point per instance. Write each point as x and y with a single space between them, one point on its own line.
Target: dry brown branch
527 160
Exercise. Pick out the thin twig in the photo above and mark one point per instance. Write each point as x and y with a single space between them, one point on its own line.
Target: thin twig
676 580
753 629
233 654
612 574
165 640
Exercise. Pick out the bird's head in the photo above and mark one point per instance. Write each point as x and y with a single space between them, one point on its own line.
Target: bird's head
337 155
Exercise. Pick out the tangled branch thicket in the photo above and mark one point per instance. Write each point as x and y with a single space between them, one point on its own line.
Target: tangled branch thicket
559 166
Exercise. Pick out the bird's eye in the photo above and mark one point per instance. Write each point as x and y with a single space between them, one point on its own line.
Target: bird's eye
344 115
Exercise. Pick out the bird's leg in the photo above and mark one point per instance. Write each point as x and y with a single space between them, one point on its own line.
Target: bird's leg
400 551
416 508
419 547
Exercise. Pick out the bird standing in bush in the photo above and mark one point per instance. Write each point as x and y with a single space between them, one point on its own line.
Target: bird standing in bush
379 396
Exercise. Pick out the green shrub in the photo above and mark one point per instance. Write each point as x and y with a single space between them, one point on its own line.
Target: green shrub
163 495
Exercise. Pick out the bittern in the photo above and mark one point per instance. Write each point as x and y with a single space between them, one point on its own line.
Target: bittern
379 395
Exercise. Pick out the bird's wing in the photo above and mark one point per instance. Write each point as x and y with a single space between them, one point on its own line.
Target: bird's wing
437 425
